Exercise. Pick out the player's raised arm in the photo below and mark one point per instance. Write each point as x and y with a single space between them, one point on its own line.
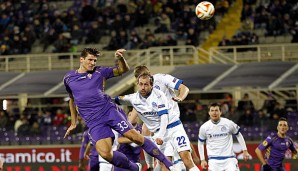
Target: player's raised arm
183 92
121 63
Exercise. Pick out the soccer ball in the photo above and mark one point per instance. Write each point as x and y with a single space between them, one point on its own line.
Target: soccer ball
205 10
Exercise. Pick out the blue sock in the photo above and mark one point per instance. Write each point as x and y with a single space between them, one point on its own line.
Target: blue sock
120 160
154 151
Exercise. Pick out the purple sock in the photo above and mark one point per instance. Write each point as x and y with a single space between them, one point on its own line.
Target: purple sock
154 151
120 160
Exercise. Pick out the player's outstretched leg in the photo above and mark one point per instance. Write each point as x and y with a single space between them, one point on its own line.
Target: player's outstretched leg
104 149
148 146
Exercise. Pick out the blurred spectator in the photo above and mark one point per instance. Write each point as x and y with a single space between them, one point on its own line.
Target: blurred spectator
247 25
113 43
94 35
246 12
192 37
291 103
233 114
47 118
245 104
76 35
3 119
274 26
201 112
62 43
269 103
22 126
11 121
134 41
294 33
222 6
279 111
35 129
163 24
48 38
261 17
246 119
88 13
261 119
58 118
122 38
4 50
30 35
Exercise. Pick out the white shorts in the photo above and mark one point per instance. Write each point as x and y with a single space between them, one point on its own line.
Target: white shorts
175 141
229 164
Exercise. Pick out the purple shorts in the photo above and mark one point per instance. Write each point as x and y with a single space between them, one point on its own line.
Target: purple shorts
114 118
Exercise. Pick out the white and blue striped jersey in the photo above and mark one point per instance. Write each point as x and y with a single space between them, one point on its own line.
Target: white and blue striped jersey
168 84
149 109
219 138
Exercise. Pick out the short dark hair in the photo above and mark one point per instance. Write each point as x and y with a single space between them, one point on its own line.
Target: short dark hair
283 119
144 75
92 51
140 70
214 105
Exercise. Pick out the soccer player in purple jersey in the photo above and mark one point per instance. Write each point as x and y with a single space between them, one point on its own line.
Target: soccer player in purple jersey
87 98
276 146
93 156
131 150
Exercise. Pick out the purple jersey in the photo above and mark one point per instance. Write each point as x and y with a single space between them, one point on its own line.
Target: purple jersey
132 153
276 149
97 109
88 92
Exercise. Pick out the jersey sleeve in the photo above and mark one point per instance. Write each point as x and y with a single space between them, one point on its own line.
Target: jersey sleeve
170 81
162 104
124 100
265 144
65 81
234 128
292 147
202 134
107 72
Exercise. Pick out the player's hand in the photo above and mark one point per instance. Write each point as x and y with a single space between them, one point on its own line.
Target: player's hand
159 141
119 53
86 156
176 99
70 128
266 167
245 155
204 164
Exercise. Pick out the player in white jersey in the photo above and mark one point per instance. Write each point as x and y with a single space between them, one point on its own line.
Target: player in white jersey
167 84
157 113
217 132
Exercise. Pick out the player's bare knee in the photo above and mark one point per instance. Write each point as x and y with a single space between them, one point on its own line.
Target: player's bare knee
134 136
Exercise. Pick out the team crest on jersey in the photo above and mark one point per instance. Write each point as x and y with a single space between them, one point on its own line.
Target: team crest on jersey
209 135
89 76
154 104
223 129
157 87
